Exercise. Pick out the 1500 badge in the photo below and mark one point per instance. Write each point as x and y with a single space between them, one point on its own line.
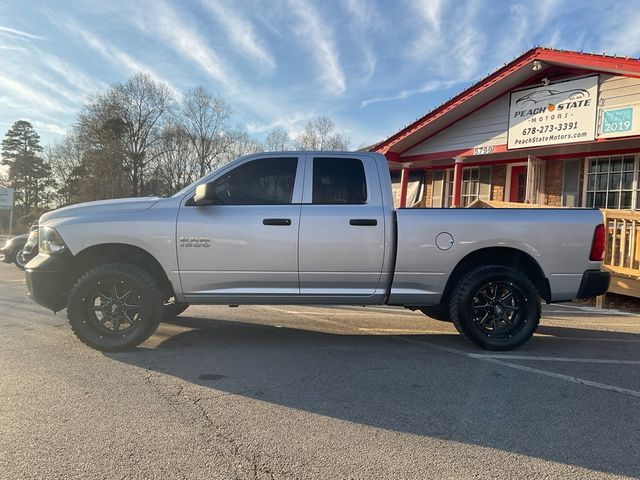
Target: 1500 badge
195 241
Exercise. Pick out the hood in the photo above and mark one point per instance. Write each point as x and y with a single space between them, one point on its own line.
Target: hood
100 207
17 238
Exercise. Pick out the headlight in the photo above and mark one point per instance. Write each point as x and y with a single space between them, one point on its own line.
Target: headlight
50 242
33 236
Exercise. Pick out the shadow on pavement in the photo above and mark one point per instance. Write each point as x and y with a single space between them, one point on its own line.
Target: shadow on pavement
383 382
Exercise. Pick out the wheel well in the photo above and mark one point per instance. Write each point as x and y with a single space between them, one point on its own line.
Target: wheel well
118 253
505 256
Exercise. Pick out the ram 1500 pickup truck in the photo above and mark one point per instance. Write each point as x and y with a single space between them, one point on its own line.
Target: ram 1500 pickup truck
309 228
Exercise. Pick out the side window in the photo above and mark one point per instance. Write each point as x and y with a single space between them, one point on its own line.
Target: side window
267 181
339 181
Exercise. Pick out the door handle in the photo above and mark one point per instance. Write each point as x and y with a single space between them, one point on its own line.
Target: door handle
363 222
276 221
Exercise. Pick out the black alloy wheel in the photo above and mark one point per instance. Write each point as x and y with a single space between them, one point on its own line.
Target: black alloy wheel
496 307
114 306
499 309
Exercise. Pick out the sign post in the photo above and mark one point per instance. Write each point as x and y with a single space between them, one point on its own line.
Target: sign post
6 203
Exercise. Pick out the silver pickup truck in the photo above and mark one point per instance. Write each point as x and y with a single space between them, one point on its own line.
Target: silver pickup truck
309 228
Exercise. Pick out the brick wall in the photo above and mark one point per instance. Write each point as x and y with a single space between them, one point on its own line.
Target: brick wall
498 182
428 188
553 183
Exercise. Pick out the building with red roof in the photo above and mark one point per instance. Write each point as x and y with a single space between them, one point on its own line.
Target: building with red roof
552 127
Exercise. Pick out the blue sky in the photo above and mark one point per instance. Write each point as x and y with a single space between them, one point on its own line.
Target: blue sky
371 66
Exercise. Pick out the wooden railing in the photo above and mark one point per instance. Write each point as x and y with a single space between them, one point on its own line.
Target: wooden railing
622 255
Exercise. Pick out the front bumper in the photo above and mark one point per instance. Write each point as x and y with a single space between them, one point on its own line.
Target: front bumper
47 280
594 283
5 256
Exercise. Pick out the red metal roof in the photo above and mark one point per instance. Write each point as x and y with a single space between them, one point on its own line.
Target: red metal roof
551 57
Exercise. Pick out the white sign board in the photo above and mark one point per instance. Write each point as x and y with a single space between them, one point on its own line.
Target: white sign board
563 112
6 198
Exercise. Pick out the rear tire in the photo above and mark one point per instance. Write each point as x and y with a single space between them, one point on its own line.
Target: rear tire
496 307
114 307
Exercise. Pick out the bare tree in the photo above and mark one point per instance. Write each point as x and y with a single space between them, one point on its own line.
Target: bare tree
65 158
319 135
142 103
100 132
175 162
207 120
243 144
278 141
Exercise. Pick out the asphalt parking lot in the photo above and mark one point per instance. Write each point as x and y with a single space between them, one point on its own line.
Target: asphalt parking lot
318 393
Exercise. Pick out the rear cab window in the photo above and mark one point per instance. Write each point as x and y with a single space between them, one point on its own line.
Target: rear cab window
338 181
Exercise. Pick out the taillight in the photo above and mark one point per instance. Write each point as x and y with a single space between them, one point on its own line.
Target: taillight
598 244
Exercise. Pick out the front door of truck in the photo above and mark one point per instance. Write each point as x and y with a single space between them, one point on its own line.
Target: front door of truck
246 242
342 231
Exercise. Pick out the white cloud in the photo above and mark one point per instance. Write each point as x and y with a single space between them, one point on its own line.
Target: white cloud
19 33
317 36
13 48
241 33
431 86
622 35
49 127
115 55
164 24
32 97
447 38
364 19
81 82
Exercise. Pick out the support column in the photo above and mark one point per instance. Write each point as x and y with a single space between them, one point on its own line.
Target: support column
404 183
457 183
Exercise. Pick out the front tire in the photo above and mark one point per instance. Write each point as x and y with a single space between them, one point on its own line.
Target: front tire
18 260
496 307
114 307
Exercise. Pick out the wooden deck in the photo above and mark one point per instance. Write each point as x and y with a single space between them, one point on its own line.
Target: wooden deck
622 256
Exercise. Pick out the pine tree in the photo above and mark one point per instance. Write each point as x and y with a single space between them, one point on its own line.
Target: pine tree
28 173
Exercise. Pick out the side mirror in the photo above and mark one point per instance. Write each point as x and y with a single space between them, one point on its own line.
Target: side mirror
204 195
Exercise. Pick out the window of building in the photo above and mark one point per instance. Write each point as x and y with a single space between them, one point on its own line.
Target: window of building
267 181
449 188
610 182
442 188
570 183
339 181
437 188
476 183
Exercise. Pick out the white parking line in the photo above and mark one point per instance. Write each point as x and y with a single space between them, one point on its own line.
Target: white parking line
555 359
538 371
592 339
405 331
595 310
557 322
303 314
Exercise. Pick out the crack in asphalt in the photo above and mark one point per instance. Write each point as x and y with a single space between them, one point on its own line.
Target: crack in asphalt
254 464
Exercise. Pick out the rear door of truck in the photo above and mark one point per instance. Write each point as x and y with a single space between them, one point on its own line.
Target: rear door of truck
342 231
